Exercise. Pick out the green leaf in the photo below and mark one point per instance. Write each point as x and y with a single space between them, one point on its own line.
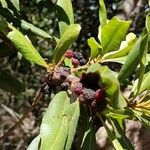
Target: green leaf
149 2
24 46
112 89
55 125
112 34
93 67
11 84
3 24
73 112
4 4
89 139
148 23
65 14
29 27
69 36
120 60
120 135
133 58
5 51
96 49
34 145
102 13
16 4
124 49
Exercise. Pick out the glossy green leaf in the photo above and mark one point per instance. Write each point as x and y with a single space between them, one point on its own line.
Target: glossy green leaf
65 14
34 145
29 27
112 34
24 46
54 124
73 112
69 36
5 51
112 88
102 13
4 4
9 83
124 49
16 4
148 23
96 49
120 60
133 58
120 135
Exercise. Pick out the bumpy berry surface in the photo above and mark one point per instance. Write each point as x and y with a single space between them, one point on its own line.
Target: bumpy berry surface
88 95
82 62
77 88
75 62
78 55
69 54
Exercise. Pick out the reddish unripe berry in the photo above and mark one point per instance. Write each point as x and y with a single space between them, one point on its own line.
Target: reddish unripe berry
75 62
77 88
69 53
99 95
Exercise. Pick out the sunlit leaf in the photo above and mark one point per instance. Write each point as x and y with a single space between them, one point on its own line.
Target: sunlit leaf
65 14
69 36
54 124
112 34
102 13
148 22
24 46
133 58
34 145
96 48
16 4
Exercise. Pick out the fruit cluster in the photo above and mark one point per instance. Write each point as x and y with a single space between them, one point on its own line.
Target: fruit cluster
76 58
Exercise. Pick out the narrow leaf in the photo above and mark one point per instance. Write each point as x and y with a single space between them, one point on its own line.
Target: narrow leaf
29 27
102 13
68 37
72 111
65 14
24 46
4 4
133 58
11 84
112 34
16 4
148 23
53 122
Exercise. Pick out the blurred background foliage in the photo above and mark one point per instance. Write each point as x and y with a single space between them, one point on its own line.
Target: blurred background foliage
42 13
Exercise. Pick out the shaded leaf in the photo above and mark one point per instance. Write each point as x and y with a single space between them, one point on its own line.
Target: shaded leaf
112 34
133 58
11 84
54 123
69 36
112 89
24 46
34 145
73 112
96 49
3 24
29 27
16 4
102 13
93 67
65 14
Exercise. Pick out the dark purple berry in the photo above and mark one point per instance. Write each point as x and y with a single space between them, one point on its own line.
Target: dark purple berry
99 96
78 55
82 62
90 80
88 95
75 62
46 89
69 53
65 85
77 88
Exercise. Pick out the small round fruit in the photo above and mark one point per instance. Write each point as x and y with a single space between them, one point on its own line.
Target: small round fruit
75 62
77 88
69 53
